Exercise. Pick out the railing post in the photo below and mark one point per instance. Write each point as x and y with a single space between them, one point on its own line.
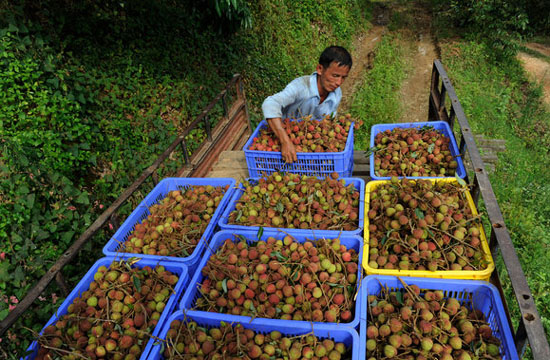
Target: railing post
207 127
240 93
185 153
224 103
155 177
62 284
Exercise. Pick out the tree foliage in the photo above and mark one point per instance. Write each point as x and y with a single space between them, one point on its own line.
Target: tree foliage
499 23
92 91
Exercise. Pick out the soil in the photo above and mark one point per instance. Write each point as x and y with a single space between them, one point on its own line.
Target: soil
538 69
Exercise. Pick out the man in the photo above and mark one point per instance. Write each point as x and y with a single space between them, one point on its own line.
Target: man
317 94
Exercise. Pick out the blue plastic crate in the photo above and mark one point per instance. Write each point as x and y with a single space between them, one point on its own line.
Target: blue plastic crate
347 336
84 284
440 126
480 295
262 163
357 182
192 293
115 246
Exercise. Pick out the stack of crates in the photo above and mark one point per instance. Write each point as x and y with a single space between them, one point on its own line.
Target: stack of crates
469 287
182 267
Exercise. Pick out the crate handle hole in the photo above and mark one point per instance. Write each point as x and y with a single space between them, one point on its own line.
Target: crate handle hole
479 170
529 317
497 225
526 297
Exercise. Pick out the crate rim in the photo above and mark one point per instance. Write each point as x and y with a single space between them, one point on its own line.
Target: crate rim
222 222
506 337
190 260
484 274
194 283
283 328
107 261
263 152
406 125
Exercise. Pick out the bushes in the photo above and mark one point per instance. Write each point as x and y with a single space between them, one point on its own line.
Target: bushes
499 23
91 92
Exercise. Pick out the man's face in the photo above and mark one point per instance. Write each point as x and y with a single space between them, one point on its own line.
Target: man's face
331 77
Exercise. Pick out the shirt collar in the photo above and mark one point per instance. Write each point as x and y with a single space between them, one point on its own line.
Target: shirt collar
314 90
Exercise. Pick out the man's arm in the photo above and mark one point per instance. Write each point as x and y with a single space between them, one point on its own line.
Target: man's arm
288 151
273 111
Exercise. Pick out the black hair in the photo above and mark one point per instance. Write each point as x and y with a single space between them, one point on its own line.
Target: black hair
335 53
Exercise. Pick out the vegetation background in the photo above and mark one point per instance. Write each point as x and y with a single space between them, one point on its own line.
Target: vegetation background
92 91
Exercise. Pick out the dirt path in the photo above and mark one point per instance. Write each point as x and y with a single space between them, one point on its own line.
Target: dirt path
363 57
414 90
538 68
416 37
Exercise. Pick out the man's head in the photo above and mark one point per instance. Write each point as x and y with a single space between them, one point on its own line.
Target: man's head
333 68
335 54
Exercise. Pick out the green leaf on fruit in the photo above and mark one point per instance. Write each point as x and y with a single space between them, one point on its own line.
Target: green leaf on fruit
203 329
399 297
371 150
224 286
278 310
242 238
431 148
137 283
460 180
280 208
239 215
383 241
431 233
414 155
419 213
290 183
279 256
260 233
133 260
295 276
335 285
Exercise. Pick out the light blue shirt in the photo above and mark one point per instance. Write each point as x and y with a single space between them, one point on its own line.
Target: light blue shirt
301 98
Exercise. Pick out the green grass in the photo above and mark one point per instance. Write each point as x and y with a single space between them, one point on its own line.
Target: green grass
500 103
377 99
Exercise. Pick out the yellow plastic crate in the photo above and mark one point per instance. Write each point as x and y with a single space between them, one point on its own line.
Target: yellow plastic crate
447 274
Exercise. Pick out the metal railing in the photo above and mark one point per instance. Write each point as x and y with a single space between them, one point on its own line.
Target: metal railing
530 326
239 111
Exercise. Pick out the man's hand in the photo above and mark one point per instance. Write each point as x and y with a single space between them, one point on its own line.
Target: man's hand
288 151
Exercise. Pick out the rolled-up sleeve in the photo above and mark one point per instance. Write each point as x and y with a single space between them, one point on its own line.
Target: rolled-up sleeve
273 105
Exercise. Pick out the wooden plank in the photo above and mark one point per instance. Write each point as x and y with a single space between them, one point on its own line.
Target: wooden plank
244 139
219 131
360 158
237 175
230 164
223 143
232 155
